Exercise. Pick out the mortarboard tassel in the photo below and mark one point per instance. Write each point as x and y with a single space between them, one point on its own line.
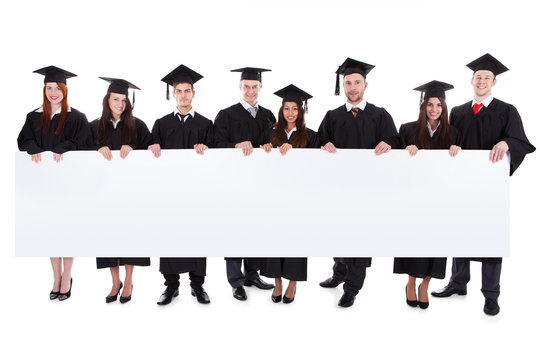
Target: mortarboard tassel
305 106
133 103
337 84
421 99
168 97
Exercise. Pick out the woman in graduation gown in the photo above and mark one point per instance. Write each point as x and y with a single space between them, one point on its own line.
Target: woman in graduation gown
430 131
58 128
289 131
118 129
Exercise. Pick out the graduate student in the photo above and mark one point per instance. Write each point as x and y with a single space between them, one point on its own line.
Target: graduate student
355 125
244 125
486 123
184 128
289 131
430 131
118 129
58 128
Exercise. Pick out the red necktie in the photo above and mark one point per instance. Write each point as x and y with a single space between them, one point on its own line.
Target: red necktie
476 108
355 112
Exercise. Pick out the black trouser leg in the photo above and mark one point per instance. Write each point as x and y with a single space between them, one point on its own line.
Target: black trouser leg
197 281
491 275
172 281
339 270
251 266
234 272
461 273
354 280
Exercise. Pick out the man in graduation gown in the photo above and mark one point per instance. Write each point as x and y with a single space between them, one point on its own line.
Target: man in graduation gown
486 123
182 129
244 125
355 125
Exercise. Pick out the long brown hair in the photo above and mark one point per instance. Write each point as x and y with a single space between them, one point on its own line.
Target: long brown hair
127 127
45 120
299 139
442 135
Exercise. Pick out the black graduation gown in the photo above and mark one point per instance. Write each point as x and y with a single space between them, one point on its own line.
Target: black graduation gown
73 136
422 267
170 133
288 268
370 127
235 124
493 123
114 142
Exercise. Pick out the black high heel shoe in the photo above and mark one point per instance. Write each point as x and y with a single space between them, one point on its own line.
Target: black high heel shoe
110 299
277 298
287 300
124 300
413 303
65 296
54 295
422 305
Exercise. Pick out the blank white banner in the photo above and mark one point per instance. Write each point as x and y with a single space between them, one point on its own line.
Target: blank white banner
307 203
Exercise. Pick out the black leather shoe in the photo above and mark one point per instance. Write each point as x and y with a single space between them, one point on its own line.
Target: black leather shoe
239 293
491 307
110 299
54 295
422 305
167 296
276 298
347 300
287 300
259 283
65 296
201 295
123 299
331 282
447 291
413 303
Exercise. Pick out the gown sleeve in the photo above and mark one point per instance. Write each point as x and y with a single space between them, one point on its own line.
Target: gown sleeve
76 136
514 136
222 131
27 138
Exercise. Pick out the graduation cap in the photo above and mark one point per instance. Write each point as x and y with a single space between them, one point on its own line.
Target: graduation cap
251 73
487 62
433 88
55 74
181 74
120 86
351 66
295 94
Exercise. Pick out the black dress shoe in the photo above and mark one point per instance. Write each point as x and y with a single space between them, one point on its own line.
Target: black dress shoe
331 282
239 293
413 303
123 299
422 305
201 295
110 299
259 283
491 307
65 296
167 296
54 295
447 291
347 300
276 298
287 300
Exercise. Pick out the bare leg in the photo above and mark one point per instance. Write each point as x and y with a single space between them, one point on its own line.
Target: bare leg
423 290
115 273
128 281
66 275
57 273
411 289
278 288
291 289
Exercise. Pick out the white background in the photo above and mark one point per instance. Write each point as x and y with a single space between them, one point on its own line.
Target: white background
303 42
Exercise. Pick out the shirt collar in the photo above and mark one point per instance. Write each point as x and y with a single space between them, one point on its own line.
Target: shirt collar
290 133
247 106
115 123
484 102
190 112
431 132
361 105
56 112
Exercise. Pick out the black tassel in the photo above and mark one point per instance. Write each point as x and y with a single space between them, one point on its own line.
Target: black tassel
168 97
421 98
337 84
305 106
133 103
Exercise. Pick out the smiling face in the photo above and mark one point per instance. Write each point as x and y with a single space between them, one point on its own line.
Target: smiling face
354 86
434 108
117 104
290 113
54 94
482 82
183 94
250 91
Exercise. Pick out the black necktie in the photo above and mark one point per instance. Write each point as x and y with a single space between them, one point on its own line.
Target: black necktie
183 117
